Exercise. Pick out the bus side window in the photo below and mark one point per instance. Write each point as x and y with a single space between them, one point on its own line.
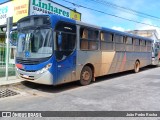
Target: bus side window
93 39
143 45
137 45
84 42
119 40
85 34
106 41
102 36
89 39
65 40
148 46
129 44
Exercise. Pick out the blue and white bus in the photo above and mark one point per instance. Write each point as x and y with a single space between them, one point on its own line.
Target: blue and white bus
53 50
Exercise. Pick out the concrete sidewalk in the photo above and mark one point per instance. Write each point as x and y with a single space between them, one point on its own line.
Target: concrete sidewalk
11 80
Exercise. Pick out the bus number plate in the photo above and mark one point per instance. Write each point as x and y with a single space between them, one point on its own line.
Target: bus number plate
25 76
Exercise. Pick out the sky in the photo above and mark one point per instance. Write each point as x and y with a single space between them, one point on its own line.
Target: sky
150 7
1 1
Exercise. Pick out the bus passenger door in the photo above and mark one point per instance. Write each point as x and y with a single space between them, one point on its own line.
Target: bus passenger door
66 57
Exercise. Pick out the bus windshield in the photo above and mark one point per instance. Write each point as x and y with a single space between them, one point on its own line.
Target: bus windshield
36 43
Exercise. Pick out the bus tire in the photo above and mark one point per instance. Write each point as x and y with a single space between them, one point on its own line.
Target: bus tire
86 76
136 67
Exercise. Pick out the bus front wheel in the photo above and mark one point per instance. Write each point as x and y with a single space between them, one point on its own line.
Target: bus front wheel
136 67
86 76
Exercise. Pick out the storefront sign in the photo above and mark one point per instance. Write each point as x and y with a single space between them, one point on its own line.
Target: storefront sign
48 7
74 15
20 9
6 10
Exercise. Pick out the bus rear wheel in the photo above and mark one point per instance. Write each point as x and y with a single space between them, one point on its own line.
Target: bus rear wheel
136 67
86 76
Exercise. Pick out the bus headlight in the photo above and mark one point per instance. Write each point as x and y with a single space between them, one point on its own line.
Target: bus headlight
44 69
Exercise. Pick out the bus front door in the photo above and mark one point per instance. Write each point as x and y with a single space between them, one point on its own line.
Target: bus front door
66 67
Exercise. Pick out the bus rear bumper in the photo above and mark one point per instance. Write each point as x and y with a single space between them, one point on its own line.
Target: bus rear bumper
44 78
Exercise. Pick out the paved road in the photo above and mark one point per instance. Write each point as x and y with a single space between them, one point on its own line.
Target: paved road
119 92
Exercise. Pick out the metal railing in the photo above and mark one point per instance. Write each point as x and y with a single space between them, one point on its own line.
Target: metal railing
2 54
11 64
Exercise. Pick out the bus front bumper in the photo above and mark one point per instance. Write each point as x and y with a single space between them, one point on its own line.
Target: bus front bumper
44 78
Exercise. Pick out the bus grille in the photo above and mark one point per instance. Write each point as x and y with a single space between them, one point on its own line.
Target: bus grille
32 61
27 62
28 70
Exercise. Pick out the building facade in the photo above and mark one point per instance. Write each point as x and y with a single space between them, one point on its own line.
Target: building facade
18 9
146 33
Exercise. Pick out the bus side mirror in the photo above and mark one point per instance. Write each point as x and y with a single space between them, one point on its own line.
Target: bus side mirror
59 39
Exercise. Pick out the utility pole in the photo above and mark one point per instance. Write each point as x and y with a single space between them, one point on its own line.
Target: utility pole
9 27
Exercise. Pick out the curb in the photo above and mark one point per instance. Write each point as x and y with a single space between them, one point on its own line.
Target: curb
11 81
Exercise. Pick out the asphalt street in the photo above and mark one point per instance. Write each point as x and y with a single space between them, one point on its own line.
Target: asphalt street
127 91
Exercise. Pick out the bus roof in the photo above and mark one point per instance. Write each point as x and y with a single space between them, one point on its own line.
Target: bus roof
113 31
61 18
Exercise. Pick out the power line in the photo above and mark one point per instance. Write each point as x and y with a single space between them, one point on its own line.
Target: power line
78 5
124 8
118 8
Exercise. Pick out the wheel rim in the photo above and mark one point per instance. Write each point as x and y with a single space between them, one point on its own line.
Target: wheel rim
86 75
